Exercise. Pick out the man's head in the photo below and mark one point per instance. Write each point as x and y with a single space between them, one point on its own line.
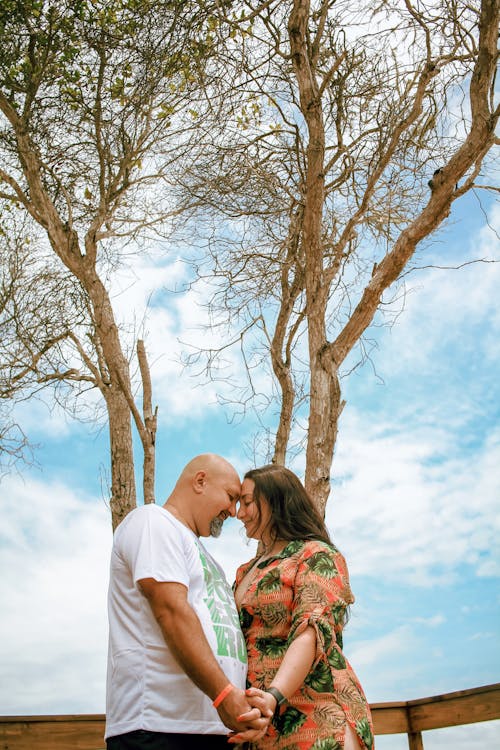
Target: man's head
206 493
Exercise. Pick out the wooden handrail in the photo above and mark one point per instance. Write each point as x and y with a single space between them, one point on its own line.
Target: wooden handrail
85 731
437 712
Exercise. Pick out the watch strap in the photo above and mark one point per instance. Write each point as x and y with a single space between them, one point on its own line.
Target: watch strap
280 698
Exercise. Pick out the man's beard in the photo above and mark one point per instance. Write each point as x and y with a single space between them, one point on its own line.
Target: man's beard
216 526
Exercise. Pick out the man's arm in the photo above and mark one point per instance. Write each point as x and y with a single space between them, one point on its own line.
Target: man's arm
184 636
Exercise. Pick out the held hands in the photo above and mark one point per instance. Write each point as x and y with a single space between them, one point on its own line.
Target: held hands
247 717
261 702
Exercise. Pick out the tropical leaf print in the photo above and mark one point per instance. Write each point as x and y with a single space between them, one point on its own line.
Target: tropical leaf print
246 619
274 614
326 633
290 721
323 564
273 647
329 715
298 588
338 612
349 694
293 547
365 732
311 595
320 679
270 582
336 659
327 744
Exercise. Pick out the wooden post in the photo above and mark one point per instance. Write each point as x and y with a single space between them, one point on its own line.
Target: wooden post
415 741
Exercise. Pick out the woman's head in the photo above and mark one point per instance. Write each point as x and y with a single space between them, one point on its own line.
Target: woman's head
274 505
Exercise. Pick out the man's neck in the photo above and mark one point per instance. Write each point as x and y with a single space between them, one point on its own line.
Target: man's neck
172 508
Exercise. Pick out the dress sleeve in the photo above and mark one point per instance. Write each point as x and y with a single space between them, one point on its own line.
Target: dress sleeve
321 595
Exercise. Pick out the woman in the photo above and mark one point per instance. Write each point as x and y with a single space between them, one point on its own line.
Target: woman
293 600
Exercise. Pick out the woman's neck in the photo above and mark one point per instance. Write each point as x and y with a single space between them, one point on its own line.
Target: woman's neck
273 547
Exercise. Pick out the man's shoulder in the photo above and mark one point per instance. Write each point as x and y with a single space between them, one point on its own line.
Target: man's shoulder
141 515
142 511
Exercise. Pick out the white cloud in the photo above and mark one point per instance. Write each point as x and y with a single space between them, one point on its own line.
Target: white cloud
376 651
173 325
449 308
431 622
41 416
406 505
54 555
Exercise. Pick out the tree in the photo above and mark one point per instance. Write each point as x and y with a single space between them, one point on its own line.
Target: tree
350 131
94 101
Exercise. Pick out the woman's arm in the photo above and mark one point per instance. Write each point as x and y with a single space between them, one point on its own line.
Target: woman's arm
291 674
296 663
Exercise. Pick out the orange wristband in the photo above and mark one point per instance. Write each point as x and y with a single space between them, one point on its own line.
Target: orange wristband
223 694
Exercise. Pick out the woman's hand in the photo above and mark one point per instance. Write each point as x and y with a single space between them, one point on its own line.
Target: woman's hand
266 704
263 700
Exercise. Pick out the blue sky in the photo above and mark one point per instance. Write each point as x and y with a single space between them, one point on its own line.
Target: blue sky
414 504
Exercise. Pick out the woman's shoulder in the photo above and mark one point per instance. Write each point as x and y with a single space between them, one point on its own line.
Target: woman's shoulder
307 547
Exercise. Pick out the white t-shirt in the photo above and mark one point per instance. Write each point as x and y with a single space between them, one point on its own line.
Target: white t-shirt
146 688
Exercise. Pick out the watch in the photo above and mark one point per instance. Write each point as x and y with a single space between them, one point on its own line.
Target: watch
280 698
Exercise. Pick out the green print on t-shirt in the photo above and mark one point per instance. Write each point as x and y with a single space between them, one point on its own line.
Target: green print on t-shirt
225 620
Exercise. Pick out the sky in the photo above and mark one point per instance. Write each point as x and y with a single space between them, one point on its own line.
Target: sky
414 505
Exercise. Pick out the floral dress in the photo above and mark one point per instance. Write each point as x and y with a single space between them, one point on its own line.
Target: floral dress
307 583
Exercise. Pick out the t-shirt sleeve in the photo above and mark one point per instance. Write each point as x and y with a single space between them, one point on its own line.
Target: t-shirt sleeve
321 595
153 547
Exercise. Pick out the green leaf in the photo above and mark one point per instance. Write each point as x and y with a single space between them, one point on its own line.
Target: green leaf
326 632
365 732
246 619
323 565
274 614
328 743
273 647
290 721
294 547
338 613
336 659
320 679
270 582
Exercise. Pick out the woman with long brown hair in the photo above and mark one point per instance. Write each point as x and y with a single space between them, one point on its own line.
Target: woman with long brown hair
293 600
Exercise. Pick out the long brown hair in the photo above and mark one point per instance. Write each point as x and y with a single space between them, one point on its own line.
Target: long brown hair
293 513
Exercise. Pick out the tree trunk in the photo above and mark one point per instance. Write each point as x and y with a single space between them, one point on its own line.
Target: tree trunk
116 388
324 399
123 494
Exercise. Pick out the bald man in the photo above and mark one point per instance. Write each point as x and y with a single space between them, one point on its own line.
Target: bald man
177 657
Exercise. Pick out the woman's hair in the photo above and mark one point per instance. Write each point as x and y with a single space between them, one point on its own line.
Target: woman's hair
293 513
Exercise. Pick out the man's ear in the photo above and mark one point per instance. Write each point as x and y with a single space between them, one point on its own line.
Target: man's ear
199 481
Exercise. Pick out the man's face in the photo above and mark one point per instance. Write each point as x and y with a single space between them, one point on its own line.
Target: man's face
222 492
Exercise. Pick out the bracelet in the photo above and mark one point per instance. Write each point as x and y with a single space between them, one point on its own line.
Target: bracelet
223 694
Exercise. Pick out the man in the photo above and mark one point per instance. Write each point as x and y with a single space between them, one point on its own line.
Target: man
175 646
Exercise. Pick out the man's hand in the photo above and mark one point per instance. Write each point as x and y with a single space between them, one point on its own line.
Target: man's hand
256 716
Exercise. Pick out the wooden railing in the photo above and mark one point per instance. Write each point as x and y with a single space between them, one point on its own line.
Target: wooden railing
439 711
85 732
